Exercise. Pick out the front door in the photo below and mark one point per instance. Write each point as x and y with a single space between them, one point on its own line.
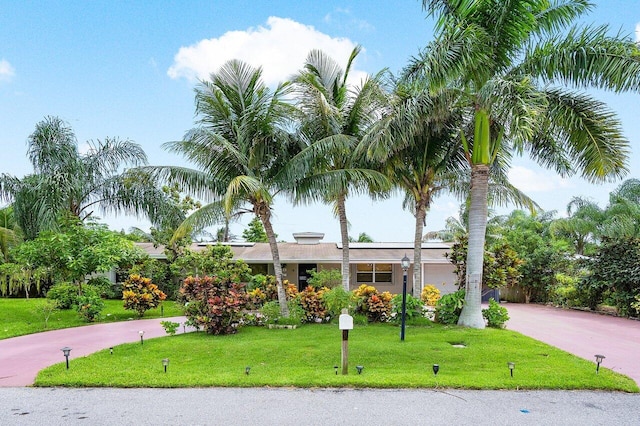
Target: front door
304 275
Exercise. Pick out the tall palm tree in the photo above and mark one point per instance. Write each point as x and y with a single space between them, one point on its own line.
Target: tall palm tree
240 146
506 57
335 116
582 227
622 215
66 180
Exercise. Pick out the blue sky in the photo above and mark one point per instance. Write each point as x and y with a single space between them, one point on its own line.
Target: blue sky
127 69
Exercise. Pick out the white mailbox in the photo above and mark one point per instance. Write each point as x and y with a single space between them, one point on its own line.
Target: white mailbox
346 320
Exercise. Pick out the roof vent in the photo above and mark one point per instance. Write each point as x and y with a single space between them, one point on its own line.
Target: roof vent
308 238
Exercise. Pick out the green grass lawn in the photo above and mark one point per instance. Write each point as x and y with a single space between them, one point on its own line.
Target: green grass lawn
19 316
305 357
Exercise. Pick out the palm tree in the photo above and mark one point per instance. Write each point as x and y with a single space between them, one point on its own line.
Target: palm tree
622 215
240 147
335 116
582 227
66 180
505 57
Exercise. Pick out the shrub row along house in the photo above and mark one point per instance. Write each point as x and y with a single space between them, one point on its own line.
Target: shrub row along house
376 264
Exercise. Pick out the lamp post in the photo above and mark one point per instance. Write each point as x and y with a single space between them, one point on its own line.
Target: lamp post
66 351
405 266
141 333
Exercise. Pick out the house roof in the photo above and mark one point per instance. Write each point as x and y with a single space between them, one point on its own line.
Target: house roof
321 252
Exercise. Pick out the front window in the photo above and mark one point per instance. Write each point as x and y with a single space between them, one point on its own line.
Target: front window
372 273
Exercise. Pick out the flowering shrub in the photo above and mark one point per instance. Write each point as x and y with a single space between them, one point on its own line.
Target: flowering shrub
140 294
375 305
311 301
430 295
213 304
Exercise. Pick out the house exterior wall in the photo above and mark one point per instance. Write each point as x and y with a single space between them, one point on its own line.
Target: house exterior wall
441 276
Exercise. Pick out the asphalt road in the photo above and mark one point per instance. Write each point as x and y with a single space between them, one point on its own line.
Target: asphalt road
264 406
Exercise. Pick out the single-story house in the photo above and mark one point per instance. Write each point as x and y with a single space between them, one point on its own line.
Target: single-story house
377 264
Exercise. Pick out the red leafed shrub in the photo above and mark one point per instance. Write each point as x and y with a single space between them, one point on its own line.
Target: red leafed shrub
213 304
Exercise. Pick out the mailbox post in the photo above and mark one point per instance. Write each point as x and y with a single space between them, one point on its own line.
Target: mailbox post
346 324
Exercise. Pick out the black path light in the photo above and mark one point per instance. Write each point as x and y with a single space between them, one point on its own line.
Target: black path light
511 366
599 359
165 363
247 369
111 350
66 350
359 368
436 368
404 262
335 367
141 333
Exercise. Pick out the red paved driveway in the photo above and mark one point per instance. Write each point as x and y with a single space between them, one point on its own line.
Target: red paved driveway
22 357
582 333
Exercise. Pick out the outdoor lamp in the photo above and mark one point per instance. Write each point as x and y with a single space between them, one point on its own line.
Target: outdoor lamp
66 351
165 362
404 262
141 333
511 366
247 369
359 368
111 350
436 368
599 359
335 367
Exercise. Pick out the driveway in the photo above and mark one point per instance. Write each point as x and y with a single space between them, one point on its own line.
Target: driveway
22 357
584 334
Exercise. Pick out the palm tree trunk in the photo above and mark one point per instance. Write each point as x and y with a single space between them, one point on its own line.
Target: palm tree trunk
471 315
421 213
265 217
344 234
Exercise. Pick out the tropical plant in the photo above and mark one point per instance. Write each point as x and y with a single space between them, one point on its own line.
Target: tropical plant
335 116
374 305
140 294
430 295
64 294
330 278
414 307
66 180
213 303
255 232
10 234
582 226
505 57
496 315
449 307
240 147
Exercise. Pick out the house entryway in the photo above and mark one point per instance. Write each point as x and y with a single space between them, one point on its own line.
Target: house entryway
303 275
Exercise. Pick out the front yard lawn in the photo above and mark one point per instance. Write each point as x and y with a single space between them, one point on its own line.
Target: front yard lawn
305 357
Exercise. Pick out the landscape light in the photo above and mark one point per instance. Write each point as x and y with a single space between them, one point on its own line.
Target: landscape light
599 359
165 362
511 366
436 368
141 333
335 367
247 369
66 351
111 350
359 368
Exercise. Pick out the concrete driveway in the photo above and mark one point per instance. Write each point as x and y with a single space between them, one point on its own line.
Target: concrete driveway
584 334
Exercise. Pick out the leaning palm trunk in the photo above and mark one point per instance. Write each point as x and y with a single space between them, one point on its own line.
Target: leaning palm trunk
471 315
344 233
265 217
421 213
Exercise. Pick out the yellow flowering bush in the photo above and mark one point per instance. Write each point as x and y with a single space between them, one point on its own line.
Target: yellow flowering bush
140 294
375 305
430 295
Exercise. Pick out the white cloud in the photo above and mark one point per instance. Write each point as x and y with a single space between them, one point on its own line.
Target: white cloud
528 180
280 48
6 71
